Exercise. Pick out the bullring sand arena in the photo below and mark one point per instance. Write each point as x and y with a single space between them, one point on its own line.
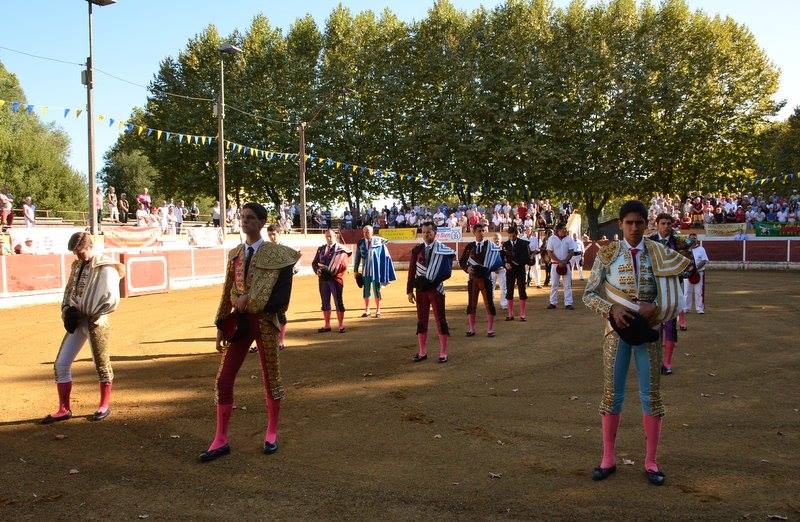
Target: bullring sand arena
508 429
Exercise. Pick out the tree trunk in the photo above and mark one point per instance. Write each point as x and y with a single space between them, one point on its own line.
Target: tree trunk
593 214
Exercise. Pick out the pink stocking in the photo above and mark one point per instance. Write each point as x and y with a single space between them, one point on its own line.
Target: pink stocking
489 323
64 390
422 339
443 345
471 320
682 320
522 303
377 306
282 338
327 315
610 423
105 396
510 308
223 419
273 411
340 318
652 430
366 305
669 347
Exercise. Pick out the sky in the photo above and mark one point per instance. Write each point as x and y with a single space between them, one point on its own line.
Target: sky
132 37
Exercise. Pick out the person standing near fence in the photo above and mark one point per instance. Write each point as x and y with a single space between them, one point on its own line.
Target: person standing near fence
378 268
560 248
90 296
124 208
258 286
695 284
516 257
111 203
29 212
330 264
479 259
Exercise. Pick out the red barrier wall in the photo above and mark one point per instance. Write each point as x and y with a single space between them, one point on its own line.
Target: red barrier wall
29 273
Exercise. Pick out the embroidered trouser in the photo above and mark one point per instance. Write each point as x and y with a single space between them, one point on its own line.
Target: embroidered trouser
427 299
371 285
476 286
97 335
328 289
262 329
616 360
516 276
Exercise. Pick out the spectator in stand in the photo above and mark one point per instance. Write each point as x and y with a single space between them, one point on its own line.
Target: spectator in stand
452 221
194 212
111 203
154 219
142 217
179 211
29 212
772 215
123 208
163 213
439 218
98 206
348 219
7 208
144 199
215 214
172 222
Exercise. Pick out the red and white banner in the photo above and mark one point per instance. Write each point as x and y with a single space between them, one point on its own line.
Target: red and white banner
130 237
42 240
205 237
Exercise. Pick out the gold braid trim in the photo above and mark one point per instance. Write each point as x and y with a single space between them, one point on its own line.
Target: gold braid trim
608 253
227 298
264 271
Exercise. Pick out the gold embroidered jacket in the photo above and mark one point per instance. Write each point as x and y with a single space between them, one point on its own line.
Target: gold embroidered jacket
264 271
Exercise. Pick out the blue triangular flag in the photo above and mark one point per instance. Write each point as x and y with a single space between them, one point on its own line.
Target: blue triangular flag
15 106
31 108
149 131
66 111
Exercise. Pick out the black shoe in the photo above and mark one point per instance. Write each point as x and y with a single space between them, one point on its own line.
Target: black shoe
269 449
666 371
603 473
569 307
490 334
365 314
281 347
683 328
523 319
253 349
98 415
342 329
551 307
442 360
52 420
419 358
655 478
509 318
323 330
470 334
378 315
208 456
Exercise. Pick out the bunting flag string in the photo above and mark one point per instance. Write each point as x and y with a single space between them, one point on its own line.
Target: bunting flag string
510 192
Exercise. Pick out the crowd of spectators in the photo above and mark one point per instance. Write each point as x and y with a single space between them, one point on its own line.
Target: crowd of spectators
541 214
698 209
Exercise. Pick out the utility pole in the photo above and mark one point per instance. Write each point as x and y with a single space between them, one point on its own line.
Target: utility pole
90 131
303 212
221 146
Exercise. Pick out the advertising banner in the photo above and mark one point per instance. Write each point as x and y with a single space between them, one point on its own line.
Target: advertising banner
398 234
131 237
205 237
42 240
725 229
448 235
770 229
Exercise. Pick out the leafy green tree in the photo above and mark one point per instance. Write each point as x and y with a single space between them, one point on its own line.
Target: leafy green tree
33 156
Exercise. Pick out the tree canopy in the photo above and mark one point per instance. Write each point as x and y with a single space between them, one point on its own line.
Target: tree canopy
33 156
521 100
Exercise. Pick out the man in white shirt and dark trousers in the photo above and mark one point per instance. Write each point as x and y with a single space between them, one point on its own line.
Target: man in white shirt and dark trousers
576 261
561 248
695 284
534 245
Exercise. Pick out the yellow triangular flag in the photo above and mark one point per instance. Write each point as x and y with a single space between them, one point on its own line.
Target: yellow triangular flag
354 168
141 130
320 161
43 109
2 102
158 134
239 148
203 140
120 125
100 117
78 112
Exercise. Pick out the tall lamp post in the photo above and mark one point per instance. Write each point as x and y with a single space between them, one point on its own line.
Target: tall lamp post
230 50
88 80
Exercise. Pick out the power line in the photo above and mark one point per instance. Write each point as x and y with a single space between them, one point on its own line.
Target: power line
40 57
165 93
256 116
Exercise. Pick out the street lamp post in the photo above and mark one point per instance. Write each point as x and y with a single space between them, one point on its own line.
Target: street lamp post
88 80
223 203
303 212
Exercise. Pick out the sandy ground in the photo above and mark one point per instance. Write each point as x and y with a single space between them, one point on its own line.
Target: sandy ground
366 434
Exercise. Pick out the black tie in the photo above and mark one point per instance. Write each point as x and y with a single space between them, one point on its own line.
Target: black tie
250 251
